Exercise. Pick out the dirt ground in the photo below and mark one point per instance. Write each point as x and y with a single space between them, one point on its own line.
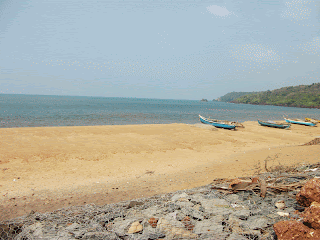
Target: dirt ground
47 168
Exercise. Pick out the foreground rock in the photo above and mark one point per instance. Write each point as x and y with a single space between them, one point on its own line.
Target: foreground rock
286 230
309 193
310 227
199 213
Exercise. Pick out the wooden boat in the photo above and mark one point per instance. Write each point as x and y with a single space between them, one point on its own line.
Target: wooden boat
220 123
274 124
312 120
299 121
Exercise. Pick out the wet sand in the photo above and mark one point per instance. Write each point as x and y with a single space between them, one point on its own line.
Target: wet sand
47 168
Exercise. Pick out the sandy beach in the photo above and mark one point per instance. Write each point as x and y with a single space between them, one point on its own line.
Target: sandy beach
47 168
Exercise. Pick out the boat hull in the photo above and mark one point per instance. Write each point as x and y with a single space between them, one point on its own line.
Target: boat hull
300 122
274 125
312 120
216 123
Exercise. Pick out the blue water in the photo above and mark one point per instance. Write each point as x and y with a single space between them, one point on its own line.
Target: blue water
18 110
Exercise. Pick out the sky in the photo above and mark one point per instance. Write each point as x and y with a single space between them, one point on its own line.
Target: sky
166 49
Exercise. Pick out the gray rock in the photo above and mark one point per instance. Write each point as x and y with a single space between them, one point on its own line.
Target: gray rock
192 213
152 211
178 196
101 235
173 232
258 222
235 236
121 227
242 214
213 236
208 225
79 233
171 207
233 198
216 206
73 227
152 236
172 219
183 204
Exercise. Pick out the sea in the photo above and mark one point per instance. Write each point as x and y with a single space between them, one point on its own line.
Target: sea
17 110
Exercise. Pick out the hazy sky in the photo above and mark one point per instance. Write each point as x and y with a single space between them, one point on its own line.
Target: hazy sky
171 49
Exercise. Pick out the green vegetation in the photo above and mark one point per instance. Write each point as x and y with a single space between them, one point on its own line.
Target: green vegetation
233 96
307 96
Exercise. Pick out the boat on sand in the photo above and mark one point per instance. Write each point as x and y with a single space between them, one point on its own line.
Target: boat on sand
299 121
274 124
220 123
312 120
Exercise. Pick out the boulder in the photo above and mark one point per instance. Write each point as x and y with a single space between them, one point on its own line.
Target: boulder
294 230
309 193
311 215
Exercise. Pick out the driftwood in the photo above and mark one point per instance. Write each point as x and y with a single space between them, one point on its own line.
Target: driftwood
259 184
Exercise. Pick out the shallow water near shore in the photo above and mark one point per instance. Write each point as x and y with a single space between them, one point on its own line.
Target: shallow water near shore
19 110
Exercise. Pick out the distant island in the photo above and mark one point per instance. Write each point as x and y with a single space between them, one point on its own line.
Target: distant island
204 100
304 96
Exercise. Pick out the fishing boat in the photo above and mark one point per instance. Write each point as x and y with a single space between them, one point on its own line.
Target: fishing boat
299 121
220 123
312 120
274 124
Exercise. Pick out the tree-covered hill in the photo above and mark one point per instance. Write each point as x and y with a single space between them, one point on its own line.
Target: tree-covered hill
233 96
307 96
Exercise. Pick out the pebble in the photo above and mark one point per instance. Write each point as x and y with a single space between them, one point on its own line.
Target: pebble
198 213
135 227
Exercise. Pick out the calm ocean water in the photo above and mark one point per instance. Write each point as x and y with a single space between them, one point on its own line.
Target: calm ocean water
39 111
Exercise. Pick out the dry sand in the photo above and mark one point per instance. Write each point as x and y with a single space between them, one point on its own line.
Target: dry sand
46 168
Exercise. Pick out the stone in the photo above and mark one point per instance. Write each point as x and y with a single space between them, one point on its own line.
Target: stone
173 232
135 227
242 214
311 215
206 226
152 211
289 230
134 203
235 236
216 206
196 214
120 227
235 225
184 204
257 222
309 193
283 214
179 196
154 236
280 204
187 223
153 222
100 235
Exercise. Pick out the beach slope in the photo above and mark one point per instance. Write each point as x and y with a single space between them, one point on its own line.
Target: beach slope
46 168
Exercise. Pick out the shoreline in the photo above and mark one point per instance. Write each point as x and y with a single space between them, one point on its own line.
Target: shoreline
50 168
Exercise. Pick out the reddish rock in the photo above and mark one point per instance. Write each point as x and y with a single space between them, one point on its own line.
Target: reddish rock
187 223
294 230
311 215
153 222
309 193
